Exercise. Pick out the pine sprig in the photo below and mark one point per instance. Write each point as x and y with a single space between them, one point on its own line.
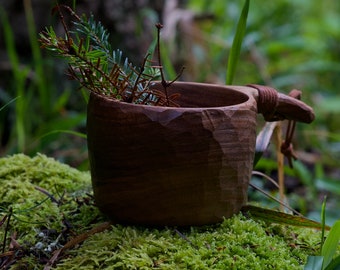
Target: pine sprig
97 66
95 31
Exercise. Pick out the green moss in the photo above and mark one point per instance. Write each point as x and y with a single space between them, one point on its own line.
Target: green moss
20 176
236 243
38 222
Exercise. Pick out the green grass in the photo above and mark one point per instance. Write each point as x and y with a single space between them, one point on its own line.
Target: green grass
235 50
328 259
19 76
38 106
38 66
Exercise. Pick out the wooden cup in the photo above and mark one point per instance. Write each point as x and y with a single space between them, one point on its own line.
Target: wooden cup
164 166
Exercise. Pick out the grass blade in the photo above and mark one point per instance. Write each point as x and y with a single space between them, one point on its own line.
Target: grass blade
42 85
314 263
263 140
75 133
331 244
323 221
280 218
334 264
7 104
19 75
237 43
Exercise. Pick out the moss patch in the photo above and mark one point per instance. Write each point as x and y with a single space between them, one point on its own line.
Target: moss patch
51 203
237 243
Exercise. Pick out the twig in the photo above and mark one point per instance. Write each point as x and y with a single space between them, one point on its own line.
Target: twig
75 241
273 198
266 177
61 16
7 229
3 220
280 163
139 74
49 195
164 83
186 239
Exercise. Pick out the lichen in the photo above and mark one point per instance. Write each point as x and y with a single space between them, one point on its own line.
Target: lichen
40 223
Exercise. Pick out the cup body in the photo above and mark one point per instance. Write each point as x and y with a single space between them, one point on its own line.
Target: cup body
164 166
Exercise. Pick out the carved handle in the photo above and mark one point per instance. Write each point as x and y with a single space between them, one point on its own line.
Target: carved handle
276 106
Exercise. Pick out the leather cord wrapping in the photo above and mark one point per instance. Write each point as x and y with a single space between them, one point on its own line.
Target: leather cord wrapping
267 102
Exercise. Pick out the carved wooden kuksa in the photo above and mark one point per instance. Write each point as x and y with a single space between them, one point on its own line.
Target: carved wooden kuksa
187 165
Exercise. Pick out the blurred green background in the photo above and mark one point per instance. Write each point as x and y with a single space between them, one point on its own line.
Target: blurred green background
288 44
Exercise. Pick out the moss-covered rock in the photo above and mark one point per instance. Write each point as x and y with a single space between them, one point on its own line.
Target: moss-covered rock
49 203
